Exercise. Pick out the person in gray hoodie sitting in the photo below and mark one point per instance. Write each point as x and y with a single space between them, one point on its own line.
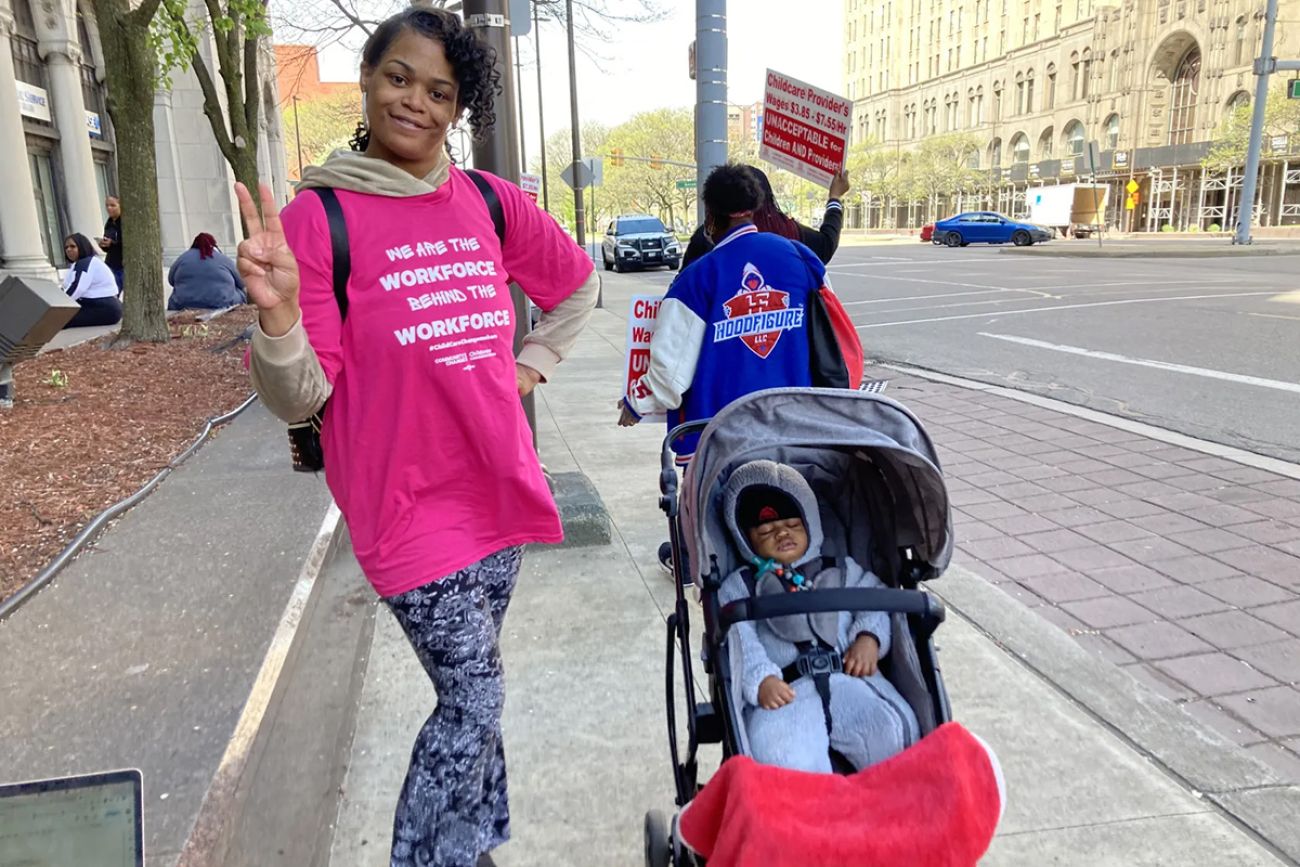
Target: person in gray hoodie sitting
204 277
809 683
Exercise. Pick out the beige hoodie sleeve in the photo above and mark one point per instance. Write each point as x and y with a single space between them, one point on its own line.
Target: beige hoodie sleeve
557 331
287 375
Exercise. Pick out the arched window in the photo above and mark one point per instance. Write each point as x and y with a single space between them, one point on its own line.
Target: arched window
1029 92
1020 93
1240 99
1051 86
1046 144
1112 132
997 101
1182 99
1087 71
1114 71
1239 51
1020 149
995 153
1074 75
979 104
1073 139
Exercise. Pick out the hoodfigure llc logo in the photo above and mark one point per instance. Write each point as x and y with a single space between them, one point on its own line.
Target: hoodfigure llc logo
757 314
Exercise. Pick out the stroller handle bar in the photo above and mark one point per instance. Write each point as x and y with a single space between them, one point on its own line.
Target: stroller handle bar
840 599
668 465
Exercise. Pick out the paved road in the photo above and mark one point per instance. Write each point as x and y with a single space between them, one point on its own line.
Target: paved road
1203 346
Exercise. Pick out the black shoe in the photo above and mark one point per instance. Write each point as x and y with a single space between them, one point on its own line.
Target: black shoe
666 557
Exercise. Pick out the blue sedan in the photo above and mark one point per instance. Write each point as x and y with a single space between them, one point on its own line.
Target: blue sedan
987 227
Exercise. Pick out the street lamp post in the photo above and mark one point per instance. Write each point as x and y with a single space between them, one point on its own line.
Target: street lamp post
710 91
541 114
579 214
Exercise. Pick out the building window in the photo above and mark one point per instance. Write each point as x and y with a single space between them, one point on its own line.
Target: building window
1051 86
1020 93
1240 51
995 153
1182 99
1240 99
46 205
1045 144
1074 139
997 101
1114 71
1087 71
1020 149
1074 76
1029 92
1112 132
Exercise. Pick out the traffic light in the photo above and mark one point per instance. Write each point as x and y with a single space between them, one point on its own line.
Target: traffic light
616 156
655 162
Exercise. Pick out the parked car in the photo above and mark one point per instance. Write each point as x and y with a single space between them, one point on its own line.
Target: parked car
927 234
988 227
639 241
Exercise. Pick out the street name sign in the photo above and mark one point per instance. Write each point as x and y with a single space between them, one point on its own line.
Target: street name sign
805 128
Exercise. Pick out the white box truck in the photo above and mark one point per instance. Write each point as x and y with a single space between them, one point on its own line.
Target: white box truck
1075 209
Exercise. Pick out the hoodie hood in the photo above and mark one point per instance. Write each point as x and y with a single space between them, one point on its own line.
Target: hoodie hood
358 173
784 478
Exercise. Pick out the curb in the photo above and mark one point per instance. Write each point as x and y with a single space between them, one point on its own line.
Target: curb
1245 789
1173 438
1210 253
582 512
209 836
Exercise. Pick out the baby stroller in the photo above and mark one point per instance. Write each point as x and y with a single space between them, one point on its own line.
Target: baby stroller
883 503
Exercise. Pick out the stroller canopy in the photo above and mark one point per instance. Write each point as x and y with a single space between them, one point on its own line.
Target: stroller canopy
869 460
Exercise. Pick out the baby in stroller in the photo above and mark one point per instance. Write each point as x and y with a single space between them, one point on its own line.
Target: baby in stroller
810 684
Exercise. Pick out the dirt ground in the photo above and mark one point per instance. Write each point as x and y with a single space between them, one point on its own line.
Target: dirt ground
91 424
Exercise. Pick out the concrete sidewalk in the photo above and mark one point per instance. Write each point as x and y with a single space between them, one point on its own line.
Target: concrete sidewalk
585 720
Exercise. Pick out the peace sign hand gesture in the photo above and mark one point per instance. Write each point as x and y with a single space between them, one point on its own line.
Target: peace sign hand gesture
266 263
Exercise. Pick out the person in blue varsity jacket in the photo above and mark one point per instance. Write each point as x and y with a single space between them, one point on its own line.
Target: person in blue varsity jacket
748 315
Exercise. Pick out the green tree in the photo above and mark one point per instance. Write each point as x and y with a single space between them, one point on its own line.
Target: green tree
131 73
237 28
666 133
322 125
1232 138
559 154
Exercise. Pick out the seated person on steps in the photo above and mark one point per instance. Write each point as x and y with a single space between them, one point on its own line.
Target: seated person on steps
795 717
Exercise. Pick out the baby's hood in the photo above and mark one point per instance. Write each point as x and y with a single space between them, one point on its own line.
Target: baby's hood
784 478
358 173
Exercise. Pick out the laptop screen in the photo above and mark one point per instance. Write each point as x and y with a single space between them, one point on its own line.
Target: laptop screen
86 820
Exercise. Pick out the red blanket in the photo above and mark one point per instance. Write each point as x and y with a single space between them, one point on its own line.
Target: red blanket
936 804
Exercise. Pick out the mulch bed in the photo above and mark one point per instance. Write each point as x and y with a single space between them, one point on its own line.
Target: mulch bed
91 424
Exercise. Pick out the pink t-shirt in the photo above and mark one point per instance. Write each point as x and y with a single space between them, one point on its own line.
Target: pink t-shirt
427 449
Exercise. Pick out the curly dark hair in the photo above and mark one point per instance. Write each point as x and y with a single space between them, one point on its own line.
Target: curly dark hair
474 64
731 189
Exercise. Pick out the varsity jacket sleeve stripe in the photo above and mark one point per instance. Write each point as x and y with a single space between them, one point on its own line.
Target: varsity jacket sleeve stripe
674 354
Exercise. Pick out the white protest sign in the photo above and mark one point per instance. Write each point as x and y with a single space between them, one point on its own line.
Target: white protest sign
641 319
805 128
531 184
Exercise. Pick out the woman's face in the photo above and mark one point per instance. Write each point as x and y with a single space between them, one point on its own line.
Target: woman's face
113 206
411 100
70 250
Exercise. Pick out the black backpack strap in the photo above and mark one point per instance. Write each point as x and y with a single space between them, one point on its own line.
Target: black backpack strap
493 202
340 254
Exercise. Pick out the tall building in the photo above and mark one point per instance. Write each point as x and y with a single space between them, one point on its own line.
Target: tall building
744 122
1037 80
60 145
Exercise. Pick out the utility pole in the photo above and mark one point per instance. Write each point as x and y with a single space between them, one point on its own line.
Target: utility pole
541 114
1265 65
519 97
579 215
710 91
297 135
498 152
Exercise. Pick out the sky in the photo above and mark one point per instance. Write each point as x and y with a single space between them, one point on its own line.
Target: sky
644 66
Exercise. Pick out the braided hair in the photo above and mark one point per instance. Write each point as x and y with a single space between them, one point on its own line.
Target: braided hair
474 64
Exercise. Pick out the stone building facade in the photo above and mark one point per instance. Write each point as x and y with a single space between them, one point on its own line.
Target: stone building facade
1036 80
59 142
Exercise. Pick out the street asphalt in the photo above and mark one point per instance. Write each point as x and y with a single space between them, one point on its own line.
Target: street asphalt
1203 346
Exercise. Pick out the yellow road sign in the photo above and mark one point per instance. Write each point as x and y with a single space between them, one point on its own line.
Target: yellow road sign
1131 186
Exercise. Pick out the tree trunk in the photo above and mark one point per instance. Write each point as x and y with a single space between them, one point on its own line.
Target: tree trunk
129 61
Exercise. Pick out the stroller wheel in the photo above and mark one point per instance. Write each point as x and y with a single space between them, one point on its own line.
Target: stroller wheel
658 845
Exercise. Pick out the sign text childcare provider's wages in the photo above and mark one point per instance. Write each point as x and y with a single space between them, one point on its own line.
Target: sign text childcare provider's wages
805 128
640 328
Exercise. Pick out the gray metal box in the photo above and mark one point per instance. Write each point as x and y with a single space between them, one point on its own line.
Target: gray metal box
32 311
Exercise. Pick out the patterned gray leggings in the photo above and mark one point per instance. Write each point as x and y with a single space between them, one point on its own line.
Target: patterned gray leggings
453 805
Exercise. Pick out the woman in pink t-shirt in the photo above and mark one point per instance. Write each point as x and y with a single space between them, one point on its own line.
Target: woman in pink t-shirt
427 450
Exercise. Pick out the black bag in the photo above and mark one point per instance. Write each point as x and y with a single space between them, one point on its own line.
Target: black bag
304 436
